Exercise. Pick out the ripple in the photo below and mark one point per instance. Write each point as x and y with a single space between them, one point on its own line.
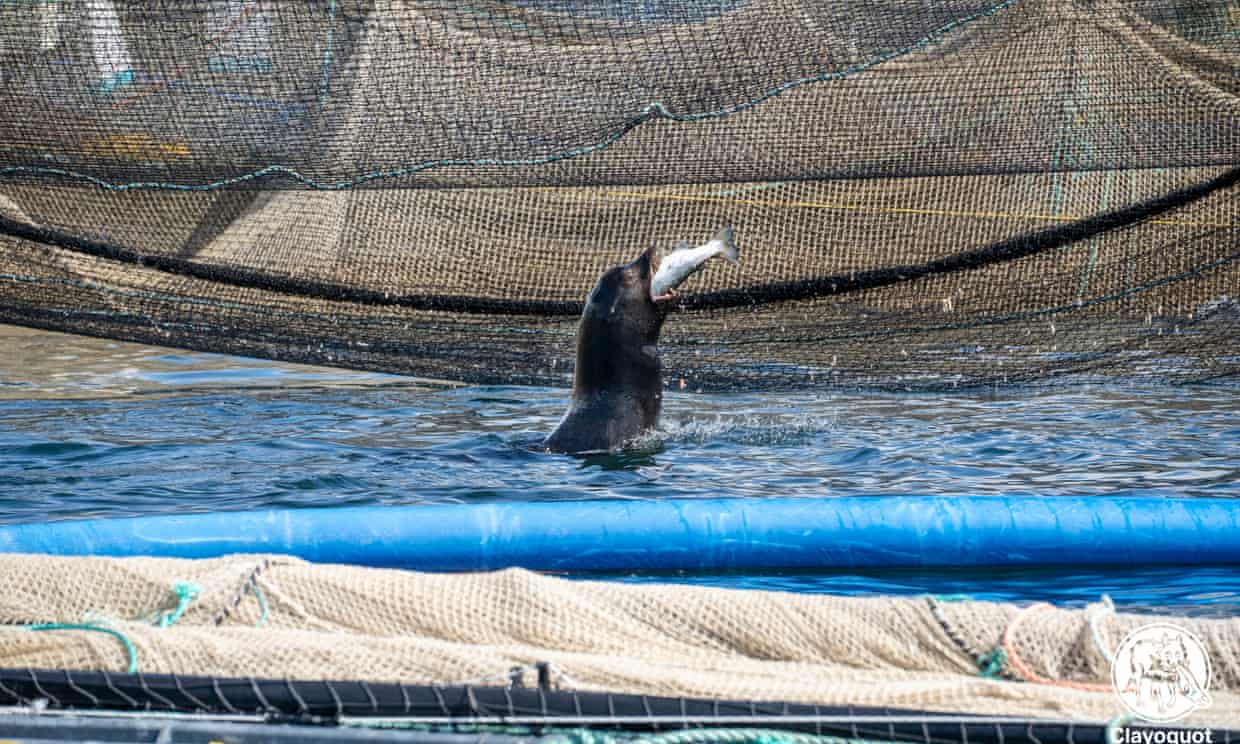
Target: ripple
50 449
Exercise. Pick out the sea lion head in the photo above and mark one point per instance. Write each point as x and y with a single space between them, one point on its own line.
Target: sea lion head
621 300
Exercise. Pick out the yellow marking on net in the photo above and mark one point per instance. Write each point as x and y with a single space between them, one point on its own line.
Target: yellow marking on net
134 146
890 210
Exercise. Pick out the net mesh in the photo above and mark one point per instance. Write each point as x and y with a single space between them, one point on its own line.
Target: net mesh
432 188
279 617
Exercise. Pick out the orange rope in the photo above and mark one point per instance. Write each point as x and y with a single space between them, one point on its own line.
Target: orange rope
1023 668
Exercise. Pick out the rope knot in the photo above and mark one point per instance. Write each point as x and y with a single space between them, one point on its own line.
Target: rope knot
186 593
992 664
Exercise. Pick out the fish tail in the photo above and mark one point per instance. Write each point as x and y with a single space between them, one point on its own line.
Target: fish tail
728 249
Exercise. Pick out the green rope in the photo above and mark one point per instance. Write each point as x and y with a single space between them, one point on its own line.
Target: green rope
327 53
594 736
262 602
742 736
745 736
129 647
992 664
186 593
700 736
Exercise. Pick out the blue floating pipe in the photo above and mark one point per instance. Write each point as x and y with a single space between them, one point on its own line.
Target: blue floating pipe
687 534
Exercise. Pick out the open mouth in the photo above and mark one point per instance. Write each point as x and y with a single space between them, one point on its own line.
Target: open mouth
649 259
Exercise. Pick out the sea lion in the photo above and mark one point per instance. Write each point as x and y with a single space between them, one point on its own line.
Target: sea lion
617 388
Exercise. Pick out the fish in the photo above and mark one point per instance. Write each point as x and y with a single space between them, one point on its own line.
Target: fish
681 263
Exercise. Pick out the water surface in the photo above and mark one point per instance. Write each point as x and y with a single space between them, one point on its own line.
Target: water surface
98 428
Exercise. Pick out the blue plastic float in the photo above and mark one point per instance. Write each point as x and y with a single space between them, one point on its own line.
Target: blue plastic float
687 534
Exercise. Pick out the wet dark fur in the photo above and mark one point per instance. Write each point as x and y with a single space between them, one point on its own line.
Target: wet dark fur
617 388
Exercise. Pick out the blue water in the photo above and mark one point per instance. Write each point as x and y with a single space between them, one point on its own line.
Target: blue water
92 428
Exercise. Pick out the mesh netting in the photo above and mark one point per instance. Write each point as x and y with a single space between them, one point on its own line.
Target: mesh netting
925 194
279 617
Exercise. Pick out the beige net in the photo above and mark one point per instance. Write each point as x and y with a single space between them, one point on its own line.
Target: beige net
273 616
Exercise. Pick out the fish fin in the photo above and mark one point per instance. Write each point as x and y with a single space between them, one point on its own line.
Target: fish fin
729 250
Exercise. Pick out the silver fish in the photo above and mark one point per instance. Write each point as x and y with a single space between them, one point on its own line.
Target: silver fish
679 265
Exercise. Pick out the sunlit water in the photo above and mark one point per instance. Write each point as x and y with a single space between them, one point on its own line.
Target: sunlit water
93 428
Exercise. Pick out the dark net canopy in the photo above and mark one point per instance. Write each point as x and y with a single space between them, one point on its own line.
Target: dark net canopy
925 194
